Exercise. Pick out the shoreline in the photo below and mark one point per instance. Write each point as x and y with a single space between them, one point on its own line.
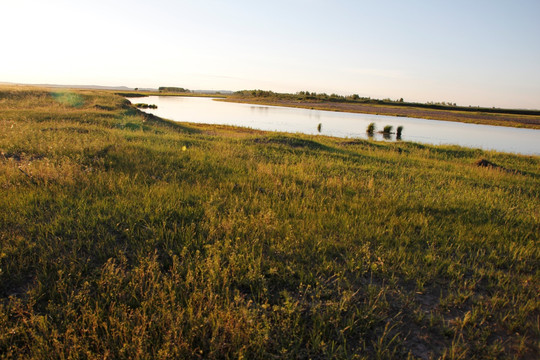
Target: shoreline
471 117
520 141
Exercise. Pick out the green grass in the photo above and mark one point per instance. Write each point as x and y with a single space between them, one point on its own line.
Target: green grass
116 243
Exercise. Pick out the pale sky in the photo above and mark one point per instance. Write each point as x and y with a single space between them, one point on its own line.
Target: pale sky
470 52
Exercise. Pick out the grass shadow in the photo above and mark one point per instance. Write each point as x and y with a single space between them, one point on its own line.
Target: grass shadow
291 141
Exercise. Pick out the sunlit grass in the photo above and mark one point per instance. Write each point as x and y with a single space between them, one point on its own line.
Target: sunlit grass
126 236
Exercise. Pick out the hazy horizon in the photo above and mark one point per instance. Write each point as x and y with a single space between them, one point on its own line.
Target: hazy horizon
484 53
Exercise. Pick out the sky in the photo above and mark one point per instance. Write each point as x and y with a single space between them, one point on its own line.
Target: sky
471 52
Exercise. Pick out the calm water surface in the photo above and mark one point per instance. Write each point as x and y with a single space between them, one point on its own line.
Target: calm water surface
339 124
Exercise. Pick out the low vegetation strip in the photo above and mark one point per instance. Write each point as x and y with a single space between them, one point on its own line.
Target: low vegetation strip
123 235
355 98
499 117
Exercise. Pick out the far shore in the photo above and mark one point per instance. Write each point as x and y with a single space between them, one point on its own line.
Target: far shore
474 117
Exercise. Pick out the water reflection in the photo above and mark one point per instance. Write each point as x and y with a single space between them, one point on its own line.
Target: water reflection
346 125
259 109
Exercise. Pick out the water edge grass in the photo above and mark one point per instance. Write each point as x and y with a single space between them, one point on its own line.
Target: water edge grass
115 241
370 129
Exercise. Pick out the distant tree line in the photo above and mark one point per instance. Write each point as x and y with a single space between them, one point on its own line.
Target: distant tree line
443 103
301 95
173 89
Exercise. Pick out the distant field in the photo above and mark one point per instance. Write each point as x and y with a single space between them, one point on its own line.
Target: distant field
476 117
158 93
126 236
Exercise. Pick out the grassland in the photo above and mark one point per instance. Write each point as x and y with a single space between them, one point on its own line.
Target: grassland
485 116
125 236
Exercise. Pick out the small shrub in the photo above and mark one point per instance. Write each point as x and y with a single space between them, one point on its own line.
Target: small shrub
387 129
370 129
398 132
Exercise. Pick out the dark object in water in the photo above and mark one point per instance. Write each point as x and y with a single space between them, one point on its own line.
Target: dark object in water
387 129
398 133
319 127
146 106
370 129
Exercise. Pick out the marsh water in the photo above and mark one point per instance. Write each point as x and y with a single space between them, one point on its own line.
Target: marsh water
340 124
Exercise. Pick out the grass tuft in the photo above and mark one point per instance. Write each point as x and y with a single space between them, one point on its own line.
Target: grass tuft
370 129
